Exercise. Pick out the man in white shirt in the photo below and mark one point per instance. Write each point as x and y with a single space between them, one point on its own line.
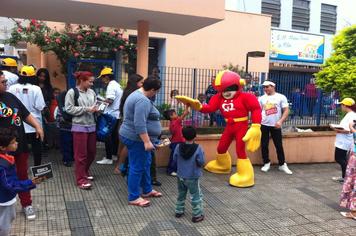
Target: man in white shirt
113 97
344 138
274 112
9 69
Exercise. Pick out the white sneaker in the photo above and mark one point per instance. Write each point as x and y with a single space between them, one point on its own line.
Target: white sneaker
173 174
105 161
266 167
29 212
285 169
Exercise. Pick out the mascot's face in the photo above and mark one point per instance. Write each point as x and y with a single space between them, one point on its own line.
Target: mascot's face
230 92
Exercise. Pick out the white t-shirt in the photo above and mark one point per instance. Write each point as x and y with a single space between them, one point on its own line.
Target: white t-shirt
32 98
345 141
11 78
114 92
272 106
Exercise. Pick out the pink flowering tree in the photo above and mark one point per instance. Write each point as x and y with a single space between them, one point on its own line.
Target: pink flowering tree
74 41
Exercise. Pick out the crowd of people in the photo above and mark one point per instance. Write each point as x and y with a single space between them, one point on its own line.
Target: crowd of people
29 104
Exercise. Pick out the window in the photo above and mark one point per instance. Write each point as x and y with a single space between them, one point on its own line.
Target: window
272 7
328 19
300 15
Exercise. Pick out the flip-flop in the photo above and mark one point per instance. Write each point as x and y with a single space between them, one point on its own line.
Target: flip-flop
348 215
153 193
141 202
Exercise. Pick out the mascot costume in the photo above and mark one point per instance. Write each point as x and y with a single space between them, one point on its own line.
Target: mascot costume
235 107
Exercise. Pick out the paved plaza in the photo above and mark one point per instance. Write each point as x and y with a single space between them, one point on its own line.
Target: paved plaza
305 203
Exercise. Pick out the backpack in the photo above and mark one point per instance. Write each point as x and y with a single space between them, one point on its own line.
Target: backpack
61 104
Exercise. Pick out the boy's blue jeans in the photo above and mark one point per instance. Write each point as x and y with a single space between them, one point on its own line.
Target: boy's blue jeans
196 196
139 172
66 139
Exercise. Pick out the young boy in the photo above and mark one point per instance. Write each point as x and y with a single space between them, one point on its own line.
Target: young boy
189 157
175 127
10 185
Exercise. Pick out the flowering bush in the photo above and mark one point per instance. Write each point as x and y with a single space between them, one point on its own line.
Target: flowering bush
75 41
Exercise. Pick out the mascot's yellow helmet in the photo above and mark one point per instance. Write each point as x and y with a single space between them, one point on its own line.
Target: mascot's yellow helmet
226 78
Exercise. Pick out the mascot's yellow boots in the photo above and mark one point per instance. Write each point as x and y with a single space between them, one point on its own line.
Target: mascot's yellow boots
222 164
244 177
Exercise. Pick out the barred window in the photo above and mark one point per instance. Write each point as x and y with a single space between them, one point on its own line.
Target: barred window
300 15
272 7
328 19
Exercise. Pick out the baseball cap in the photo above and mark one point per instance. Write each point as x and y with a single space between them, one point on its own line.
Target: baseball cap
347 102
106 71
9 62
28 71
268 83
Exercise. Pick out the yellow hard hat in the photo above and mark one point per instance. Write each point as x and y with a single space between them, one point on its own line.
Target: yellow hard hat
9 62
347 102
28 71
106 71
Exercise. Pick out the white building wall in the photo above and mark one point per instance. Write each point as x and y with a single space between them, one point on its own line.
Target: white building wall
345 15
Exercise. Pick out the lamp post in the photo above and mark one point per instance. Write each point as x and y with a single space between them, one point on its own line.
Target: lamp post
253 54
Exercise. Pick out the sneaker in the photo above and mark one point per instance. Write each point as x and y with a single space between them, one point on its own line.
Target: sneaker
197 219
173 174
29 212
105 161
266 167
179 215
285 169
338 179
90 177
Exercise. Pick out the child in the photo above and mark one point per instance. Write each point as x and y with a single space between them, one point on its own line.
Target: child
198 117
10 185
189 157
175 127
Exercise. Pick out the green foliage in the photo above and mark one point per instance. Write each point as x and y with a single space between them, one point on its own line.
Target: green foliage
339 71
236 68
79 41
163 107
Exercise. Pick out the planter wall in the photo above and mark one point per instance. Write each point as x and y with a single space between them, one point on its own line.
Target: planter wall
298 148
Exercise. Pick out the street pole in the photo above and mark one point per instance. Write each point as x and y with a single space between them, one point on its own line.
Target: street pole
246 63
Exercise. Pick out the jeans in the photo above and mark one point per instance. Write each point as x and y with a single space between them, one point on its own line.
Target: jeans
277 140
196 196
66 141
36 148
112 142
172 166
341 158
84 145
139 168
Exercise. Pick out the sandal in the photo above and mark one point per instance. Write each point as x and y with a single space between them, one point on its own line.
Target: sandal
348 215
141 202
153 193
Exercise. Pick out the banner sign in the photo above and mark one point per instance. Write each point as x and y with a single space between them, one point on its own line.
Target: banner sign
295 46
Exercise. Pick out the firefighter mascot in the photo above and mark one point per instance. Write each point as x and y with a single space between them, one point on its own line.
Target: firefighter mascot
235 106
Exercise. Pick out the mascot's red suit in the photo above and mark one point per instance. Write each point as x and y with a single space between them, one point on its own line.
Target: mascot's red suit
235 106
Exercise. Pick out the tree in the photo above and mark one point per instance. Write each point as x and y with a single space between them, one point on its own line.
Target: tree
339 71
74 41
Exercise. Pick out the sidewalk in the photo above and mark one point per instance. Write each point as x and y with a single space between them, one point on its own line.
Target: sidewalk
305 203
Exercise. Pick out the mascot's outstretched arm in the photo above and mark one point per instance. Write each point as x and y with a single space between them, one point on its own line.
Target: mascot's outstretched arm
196 105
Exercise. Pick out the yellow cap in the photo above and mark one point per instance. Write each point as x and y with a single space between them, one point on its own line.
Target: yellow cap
106 71
28 71
347 102
9 62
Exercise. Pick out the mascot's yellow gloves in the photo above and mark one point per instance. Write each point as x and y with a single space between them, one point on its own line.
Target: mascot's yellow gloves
253 137
194 103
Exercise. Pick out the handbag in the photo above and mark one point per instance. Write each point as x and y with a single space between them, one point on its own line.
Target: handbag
105 124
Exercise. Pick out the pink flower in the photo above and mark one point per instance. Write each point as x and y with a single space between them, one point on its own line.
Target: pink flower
76 54
79 37
96 35
87 33
112 33
114 49
19 30
33 22
121 47
58 40
119 36
101 29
